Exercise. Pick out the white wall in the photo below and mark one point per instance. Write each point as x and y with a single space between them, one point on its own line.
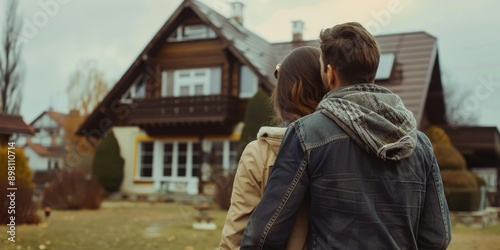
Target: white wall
43 124
126 139
35 161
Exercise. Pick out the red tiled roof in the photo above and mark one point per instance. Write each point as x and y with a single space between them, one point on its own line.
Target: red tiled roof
10 124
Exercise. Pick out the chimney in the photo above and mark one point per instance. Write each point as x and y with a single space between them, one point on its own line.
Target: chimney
297 30
237 11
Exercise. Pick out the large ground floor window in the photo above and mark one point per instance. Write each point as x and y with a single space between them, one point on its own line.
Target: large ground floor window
177 165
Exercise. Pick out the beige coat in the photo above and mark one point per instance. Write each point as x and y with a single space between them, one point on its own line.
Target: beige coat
249 184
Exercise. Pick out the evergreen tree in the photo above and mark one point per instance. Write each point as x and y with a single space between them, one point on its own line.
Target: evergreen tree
259 112
108 164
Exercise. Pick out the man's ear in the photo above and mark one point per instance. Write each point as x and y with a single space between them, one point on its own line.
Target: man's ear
332 77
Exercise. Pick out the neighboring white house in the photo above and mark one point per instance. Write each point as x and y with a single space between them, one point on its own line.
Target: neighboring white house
45 150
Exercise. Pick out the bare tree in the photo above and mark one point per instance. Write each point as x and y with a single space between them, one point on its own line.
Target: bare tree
455 94
10 61
86 88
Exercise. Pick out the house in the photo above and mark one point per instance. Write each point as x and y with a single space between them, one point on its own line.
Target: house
46 148
480 147
177 111
11 127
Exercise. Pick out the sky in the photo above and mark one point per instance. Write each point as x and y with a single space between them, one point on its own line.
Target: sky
61 34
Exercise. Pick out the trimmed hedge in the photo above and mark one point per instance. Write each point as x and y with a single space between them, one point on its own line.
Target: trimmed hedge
449 158
463 199
437 135
462 187
459 179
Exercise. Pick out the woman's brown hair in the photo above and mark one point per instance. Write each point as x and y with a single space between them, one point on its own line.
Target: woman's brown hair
299 88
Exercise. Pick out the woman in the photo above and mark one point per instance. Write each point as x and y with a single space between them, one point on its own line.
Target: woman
297 93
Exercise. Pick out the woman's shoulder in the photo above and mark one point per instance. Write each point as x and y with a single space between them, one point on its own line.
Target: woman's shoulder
271 132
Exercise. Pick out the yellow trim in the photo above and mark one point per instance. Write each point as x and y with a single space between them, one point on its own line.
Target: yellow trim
233 137
144 182
138 139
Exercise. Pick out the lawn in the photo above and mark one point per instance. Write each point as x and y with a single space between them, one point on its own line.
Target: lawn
123 225
141 225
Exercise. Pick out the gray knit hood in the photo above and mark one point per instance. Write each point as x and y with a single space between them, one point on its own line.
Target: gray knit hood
374 117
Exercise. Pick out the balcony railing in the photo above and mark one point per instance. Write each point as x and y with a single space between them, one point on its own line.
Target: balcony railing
182 110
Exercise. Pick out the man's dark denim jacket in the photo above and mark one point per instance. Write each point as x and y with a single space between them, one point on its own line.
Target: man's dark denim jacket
358 201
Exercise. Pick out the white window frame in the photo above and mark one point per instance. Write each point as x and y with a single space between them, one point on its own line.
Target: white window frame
255 85
226 153
192 32
192 81
386 65
164 83
139 160
175 158
195 31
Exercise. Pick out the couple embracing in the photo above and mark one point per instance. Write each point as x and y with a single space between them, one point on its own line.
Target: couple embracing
348 170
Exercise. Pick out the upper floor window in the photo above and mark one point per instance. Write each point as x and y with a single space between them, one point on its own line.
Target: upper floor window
196 82
192 32
385 66
249 82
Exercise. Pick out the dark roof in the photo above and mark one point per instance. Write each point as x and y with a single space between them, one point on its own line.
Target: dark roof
10 124
416 54
254 50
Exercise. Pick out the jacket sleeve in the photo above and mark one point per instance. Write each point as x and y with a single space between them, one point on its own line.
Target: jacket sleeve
245 196
273 219
435 225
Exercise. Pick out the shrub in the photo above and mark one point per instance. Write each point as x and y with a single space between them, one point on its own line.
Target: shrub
22 169
459 179
463 199
259 112
25 208
437 135
73 190
460 185
449 158
107 167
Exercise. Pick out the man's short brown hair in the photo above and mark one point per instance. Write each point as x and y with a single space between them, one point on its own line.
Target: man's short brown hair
352 51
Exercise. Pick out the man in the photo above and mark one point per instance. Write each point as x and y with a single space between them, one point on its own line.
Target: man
372 179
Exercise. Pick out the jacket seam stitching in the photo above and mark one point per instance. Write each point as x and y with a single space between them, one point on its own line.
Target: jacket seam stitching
441 206
283 202
324 142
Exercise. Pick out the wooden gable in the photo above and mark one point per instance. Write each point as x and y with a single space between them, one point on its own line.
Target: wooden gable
164 55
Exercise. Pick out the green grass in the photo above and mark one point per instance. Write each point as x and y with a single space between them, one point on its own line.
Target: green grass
122 225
